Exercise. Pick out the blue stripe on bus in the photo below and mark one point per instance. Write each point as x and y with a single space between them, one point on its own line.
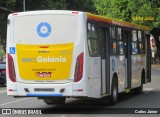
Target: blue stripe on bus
35 95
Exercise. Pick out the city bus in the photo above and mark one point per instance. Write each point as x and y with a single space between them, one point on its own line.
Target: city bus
57 54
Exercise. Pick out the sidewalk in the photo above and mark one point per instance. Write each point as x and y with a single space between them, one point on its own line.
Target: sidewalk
155 65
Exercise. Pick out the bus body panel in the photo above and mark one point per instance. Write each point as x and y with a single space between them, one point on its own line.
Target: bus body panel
138 64
80 87
117 66
94 77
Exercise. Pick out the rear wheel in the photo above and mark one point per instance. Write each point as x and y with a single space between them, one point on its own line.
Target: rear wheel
114 92
55 100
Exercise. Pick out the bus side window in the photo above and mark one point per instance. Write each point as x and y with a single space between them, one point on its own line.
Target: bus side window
113 41
102 42
120 42
89 31
92 39
141 42
119 34
134 42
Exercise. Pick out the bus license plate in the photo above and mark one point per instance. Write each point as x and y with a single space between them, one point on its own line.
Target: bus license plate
44 74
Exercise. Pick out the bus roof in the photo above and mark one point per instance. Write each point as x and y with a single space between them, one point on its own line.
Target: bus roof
116 22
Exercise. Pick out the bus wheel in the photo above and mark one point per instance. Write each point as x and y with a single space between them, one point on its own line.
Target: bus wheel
114 92
55 100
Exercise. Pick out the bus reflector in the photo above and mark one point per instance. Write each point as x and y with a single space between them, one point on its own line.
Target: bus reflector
14 14
80 90
12 90
75 12
11 69
78 68
44 46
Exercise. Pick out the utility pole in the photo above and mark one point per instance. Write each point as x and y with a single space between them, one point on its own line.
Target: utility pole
24 5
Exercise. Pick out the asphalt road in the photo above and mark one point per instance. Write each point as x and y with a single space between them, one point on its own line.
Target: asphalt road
150 98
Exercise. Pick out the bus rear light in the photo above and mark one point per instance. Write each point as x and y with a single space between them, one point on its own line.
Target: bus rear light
14 14
74 12
11 69
78 68
10 90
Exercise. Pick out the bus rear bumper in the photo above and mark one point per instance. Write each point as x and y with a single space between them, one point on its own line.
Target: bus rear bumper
45 90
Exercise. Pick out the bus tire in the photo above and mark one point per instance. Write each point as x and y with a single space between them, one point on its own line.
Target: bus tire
55 100
114 92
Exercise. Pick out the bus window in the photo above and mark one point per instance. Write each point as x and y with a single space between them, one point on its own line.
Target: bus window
141 42
114 46
139 36
102 42
134 42
93 40
119 34
120 47
120 41
134 35
89 30
141 48
113 41
113 33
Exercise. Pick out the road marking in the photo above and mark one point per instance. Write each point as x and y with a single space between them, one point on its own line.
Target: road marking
13 102
147 90
2 91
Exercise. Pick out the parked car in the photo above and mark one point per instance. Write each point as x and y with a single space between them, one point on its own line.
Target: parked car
2 72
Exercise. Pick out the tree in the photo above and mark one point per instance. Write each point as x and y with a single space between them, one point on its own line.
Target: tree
81 5
113 9
46 4
145 12
6 7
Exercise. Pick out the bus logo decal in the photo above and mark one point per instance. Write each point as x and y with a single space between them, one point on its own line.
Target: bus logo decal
44 29
12 50
41 59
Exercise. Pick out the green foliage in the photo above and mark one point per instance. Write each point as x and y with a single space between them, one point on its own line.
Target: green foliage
113 9
10 4
45 4
145 12
81 5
